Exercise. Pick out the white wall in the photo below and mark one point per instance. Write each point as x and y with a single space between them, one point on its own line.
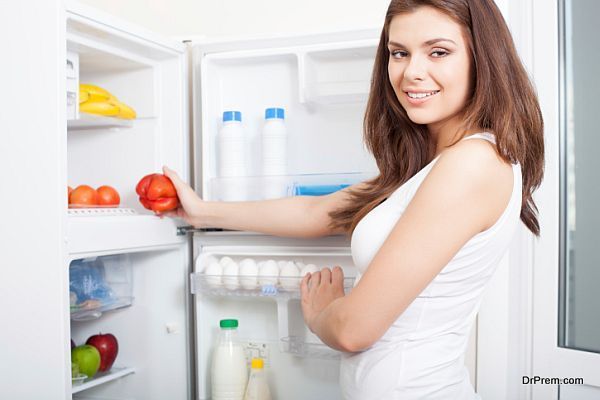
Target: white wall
242 17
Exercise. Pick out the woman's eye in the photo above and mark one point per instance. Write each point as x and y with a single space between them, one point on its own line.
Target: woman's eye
439 53
398 53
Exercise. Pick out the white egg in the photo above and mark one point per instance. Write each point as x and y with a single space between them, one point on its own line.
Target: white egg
248 274
225 260
213 273
300 265
289 276
230 275
203 261
268 273
312 268
281 264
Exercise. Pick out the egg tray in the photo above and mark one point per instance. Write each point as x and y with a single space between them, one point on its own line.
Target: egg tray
251 286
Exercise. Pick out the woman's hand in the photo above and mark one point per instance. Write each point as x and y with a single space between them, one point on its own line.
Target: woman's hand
190 204
318 291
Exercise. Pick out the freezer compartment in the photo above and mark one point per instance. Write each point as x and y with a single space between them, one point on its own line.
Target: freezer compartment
153 346
272 187
98 285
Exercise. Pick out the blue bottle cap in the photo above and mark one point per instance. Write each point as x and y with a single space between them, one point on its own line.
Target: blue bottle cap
274 113
232 116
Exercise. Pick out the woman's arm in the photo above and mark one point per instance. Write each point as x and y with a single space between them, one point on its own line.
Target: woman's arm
300 216
465 193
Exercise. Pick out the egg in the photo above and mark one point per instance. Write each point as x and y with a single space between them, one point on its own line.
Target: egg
225 260
230 275
289 276
268 273
281 264
203 261
300 265
213 273
248 274
308 268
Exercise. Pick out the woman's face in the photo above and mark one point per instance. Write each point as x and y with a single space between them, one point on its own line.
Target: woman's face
429 66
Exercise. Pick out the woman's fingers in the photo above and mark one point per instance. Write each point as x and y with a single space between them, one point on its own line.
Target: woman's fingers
326 275
304 286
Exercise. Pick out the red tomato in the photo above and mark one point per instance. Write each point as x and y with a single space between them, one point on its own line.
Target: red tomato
83 196
108 196
157 193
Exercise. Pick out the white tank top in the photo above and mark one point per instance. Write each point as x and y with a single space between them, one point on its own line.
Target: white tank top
421 356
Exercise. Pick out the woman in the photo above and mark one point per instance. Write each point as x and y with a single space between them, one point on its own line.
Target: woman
456 130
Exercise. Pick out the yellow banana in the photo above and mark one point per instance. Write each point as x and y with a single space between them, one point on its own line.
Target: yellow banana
83 96
125 112
100 108
95 93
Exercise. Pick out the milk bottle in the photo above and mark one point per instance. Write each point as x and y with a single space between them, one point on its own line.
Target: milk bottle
258 388
229 371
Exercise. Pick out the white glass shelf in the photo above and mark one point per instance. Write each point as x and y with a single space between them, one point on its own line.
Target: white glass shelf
95 310
90 121
103 377
100 211
272 187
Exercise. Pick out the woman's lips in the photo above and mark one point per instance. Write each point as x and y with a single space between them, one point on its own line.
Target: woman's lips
417 101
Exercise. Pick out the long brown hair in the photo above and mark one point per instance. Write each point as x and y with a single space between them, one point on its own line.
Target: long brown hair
503 102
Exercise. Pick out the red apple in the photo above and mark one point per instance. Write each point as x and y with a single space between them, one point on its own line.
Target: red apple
107 346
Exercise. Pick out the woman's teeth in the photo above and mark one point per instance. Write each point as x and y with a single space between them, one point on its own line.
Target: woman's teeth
421 95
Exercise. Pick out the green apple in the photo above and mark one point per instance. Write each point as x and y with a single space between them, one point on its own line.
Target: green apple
87 358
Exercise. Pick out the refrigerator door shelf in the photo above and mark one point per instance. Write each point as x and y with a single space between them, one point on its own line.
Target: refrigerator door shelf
272 187
296 346
93 310
94 235
276 287
103 377
90 122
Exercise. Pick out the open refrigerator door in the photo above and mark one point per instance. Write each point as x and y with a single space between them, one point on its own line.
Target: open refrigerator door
322 84
127 269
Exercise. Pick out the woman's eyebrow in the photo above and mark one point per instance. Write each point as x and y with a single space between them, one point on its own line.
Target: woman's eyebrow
427 43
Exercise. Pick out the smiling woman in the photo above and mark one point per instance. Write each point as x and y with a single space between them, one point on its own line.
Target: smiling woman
431 77
456 130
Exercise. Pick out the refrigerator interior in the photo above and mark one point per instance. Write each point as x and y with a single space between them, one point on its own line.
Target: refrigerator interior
151 322
298 364
321 81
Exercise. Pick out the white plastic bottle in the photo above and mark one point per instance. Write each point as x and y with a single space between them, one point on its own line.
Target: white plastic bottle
229 374
258 388
231 143
274 143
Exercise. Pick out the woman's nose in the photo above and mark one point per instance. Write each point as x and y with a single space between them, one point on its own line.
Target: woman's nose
416 69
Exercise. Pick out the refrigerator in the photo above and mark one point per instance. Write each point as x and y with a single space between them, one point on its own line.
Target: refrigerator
167 311
164 309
